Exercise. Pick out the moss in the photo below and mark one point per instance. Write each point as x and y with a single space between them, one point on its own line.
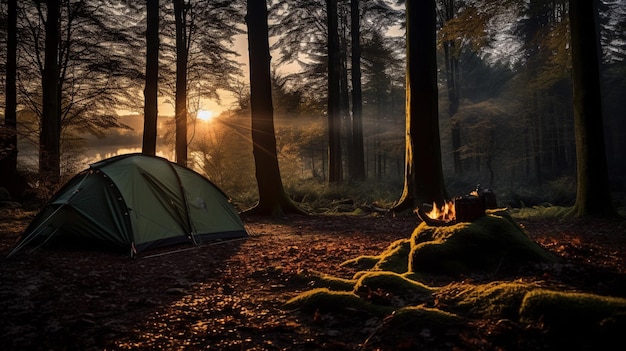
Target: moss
321 280
324 300
496 300
396 257
418 328
416 277
362 262
392 285
578 321
488 244
570 311
418 317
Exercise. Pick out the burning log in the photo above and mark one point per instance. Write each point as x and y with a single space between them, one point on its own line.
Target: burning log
434 222
466 208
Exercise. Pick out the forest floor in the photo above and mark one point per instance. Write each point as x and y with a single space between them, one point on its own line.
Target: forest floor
231 296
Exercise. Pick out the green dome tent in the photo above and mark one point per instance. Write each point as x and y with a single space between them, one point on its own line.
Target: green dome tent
135 202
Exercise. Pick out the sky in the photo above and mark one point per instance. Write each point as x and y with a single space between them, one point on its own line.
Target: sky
241 46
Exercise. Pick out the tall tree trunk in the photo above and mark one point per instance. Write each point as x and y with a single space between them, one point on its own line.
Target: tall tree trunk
344 90
454 100
273 200
423 180
8 134
49 139
180 107
152 77
357 157
452 83
335 170
593 196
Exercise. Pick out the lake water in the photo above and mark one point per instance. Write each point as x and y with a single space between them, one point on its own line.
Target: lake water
93 152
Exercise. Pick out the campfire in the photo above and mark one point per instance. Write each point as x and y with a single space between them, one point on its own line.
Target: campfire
466 208
445 213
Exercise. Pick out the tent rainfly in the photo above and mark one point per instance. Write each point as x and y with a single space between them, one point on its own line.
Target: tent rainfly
135 202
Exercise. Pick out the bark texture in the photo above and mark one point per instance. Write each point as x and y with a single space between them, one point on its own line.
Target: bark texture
593 196
423 180
152 77
273 201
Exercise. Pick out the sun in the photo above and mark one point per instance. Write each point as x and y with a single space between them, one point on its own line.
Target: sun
205 115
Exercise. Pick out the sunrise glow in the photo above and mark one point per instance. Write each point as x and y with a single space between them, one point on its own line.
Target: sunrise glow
205 115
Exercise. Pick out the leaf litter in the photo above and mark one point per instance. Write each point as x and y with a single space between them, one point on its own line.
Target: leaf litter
231 296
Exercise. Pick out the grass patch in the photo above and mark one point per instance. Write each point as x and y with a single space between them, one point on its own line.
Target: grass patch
540 212
321 197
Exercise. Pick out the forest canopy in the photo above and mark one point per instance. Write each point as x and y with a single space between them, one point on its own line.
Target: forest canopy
504 83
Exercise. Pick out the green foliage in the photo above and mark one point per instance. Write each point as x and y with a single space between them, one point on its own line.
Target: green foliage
561 191
540 212
469 26
320 197
491 243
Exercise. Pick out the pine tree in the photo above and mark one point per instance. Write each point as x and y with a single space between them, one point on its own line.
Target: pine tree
273 201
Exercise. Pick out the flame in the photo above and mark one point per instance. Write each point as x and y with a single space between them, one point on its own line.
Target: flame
444 213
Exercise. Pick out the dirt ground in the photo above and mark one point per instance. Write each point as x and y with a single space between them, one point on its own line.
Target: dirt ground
230 296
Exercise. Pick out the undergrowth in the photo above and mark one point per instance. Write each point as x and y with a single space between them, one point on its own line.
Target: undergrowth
549 201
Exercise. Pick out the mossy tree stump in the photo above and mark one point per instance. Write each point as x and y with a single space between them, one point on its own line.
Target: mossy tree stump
488 244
